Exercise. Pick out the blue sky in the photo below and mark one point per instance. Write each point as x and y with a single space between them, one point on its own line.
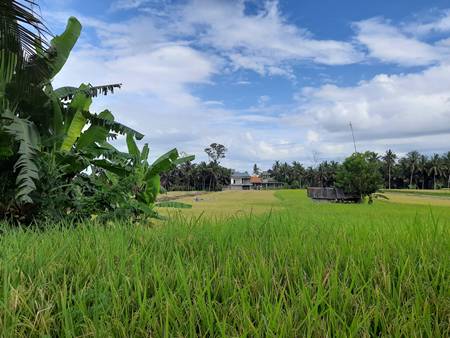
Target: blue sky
271 80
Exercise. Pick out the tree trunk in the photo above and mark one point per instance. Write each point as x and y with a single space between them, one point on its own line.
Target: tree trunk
389 177
411 179
434 181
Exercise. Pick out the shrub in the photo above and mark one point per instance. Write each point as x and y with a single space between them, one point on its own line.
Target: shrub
360 174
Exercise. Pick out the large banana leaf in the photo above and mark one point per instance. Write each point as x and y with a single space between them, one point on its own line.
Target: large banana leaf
153 186
95 133
80 104
144 153
112 167
133 149
112 125
163 163
67 93
184 159
62 45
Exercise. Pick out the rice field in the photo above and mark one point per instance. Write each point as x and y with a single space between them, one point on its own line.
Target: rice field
422 197
298 269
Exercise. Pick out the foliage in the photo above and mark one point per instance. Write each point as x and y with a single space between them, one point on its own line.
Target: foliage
359 174
256 170
308 270
196 176
429 172
53 146
215 152
203 176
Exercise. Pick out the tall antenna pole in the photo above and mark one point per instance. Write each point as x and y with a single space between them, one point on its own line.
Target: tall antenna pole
353 135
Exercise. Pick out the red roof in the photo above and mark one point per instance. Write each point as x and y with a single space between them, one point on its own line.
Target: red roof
255 179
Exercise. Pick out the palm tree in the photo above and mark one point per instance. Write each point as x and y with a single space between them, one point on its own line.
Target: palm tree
422 167
298 172
389 159
436 168
20 28
412 159
446 165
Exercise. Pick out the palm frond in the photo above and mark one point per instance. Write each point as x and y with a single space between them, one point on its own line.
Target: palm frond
25 134
21 27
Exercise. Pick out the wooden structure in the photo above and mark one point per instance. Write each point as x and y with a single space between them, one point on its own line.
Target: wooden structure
332 194
243 181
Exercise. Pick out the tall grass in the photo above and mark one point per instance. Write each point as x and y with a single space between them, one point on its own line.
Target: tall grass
310 270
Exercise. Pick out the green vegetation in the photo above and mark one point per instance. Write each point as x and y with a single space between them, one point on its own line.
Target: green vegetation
253 263
359 174
56 159
421 192
307 269
228 204
203 176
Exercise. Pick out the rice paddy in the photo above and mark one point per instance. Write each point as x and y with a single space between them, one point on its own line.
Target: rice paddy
298 269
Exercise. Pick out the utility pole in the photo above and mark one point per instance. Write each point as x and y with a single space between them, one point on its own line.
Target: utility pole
353 135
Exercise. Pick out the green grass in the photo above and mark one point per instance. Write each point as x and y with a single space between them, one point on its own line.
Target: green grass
313 269
426 192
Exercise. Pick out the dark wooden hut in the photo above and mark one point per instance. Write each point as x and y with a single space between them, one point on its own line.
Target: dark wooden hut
332 194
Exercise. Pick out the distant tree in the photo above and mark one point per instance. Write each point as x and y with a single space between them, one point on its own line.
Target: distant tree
446 165
422 170
412 158
389 160
256 170
436 168
215 152
359 174
298 174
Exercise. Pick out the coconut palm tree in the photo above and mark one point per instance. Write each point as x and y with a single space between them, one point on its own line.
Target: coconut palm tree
389 159
446 166
422 169
436 168
412 159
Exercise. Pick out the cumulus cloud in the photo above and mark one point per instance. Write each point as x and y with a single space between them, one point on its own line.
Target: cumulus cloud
437 24
264 42
387 107
390 44
163 61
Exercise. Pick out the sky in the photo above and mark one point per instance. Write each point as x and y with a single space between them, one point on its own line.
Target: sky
270 80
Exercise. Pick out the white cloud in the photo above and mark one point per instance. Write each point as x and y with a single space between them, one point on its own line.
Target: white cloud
127 4
439 24
387 107
389 44
159 62
312 136
263 42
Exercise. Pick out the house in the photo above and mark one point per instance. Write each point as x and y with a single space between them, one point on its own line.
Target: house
244 181
240 181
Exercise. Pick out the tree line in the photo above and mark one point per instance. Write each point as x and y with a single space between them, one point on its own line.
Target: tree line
208 176
414 170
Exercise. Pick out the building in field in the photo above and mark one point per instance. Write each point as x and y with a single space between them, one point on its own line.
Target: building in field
245 181
240 181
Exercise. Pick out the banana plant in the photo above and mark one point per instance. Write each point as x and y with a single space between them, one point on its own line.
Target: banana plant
24 112
58 117
38 122
148 180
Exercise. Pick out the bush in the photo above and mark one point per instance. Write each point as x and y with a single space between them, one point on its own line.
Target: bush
360 174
